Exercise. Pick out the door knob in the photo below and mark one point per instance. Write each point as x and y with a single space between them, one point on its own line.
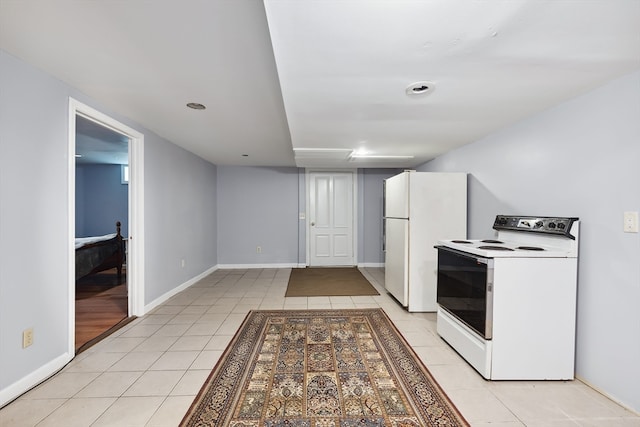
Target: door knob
313 223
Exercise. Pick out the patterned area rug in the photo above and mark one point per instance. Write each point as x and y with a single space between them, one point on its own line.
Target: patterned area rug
320 368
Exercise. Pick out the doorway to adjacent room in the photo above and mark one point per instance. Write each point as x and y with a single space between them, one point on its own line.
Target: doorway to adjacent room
102 209
105 211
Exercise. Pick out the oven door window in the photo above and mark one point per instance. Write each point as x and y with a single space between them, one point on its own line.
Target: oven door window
462 289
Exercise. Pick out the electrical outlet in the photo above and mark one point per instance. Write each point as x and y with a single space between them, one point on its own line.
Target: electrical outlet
27 337
258 249
631 222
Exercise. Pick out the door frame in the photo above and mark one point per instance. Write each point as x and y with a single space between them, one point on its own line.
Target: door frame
354 213
135 246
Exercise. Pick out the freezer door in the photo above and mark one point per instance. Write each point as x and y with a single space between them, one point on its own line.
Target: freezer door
396 263
396 197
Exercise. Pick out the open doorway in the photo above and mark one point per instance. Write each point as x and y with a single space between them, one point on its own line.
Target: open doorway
105 214
101 230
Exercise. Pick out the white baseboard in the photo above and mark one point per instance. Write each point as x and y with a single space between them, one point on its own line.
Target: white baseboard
153 304
26 383
249 266
607 395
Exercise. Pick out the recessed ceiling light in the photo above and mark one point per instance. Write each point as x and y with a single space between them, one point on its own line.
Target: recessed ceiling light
196 106
419 88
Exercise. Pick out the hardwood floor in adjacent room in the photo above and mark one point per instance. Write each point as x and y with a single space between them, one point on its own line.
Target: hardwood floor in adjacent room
101 304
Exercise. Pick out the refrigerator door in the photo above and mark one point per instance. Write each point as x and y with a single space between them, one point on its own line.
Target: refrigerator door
396 196
438 211
396 273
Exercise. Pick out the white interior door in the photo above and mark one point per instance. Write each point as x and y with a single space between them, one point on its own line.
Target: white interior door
331 222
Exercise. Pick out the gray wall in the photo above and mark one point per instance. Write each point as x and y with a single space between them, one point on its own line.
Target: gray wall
577 159
370 194
101 200
180 218
258 206
33 218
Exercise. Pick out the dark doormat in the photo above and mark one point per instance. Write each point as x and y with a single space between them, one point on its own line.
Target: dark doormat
323 281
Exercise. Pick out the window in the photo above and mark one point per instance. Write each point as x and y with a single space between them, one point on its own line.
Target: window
124 174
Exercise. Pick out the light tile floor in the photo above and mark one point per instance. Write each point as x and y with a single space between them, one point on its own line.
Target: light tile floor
148 373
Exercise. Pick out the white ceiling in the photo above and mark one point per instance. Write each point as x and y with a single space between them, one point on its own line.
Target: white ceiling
325 78
96 144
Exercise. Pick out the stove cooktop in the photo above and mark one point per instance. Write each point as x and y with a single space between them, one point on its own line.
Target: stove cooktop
503 248
524 237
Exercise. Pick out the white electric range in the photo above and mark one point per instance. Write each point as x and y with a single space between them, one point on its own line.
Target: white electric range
507 304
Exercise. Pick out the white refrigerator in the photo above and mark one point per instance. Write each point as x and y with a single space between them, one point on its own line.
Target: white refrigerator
420 208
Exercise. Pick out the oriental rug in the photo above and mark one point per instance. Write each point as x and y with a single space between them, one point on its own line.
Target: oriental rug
328 281
320 368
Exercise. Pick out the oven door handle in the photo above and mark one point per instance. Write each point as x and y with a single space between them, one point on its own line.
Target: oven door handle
488 326
478 259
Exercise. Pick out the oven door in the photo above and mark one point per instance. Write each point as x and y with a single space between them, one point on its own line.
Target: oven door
465 289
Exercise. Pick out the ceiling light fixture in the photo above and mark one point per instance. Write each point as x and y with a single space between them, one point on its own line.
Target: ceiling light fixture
354 157
196 106
322 153
420 88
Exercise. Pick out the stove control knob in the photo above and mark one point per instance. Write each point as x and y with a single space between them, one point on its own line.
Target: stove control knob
552 225
561 226
539 224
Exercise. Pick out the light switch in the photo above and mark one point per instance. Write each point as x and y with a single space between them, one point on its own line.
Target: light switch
631 222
